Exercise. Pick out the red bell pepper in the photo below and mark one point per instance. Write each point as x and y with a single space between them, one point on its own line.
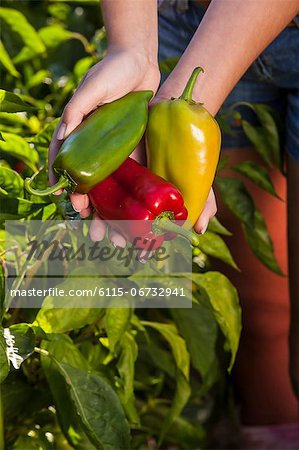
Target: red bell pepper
145 202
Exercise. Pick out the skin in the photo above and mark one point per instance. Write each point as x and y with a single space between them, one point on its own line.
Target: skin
131 64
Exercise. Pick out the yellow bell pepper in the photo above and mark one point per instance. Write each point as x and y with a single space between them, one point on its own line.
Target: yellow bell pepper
183 145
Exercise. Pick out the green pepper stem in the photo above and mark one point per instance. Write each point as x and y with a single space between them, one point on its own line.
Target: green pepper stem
166 224
188 91
61 184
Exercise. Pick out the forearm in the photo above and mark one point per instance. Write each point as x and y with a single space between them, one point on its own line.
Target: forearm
230 37
132 24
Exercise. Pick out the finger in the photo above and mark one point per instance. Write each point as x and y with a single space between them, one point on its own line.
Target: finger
145 256
88 96
54 147
97 229
79 201
117 239
139 154
208 212
85 212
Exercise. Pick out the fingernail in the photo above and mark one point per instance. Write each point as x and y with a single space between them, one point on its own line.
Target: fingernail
60 191
76 209
204 229
61 132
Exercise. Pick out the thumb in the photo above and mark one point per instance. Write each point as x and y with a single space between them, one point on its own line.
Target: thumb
87 98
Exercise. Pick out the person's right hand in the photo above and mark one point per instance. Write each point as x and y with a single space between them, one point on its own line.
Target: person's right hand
119 73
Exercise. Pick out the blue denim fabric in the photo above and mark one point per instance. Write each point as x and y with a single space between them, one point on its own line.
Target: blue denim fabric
273 79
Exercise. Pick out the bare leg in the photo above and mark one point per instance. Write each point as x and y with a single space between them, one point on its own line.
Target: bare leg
261 370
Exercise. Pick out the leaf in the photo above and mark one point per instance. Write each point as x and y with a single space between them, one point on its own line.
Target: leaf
24 339
4 363
117 321
11 181
62 348
15 395
2 290
7 62
257 175
213 245
237 198
198 327
98 407
82 2
82 66
12 103
54 35
59 314
168 64
260 243
38 78
16 208
182 359
126 369
216 227
43 138
18 23
224 302
265 137
17 147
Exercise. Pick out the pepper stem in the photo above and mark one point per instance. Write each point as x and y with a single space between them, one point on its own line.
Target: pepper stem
165 224
61 184
188 91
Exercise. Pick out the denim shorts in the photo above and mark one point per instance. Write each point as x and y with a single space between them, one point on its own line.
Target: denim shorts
272 79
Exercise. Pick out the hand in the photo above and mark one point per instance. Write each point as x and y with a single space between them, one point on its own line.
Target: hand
207 214
121 72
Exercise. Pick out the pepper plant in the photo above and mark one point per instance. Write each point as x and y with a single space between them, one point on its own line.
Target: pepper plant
108 378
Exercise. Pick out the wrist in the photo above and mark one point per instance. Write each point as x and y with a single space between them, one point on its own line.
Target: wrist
144 65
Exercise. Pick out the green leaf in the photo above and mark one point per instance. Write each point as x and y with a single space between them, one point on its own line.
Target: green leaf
24 339
11 181
57 314
168 64
82 2
2 290
54 35
62 348
17 147
117 321
198 327
7 62
237 198
257 175
182 360
260 243
43 138
12 103
16 208
224 302
265 137
216 227
18 23
126 369
38 78
82 66
213 245
4 363
98 407
15 395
